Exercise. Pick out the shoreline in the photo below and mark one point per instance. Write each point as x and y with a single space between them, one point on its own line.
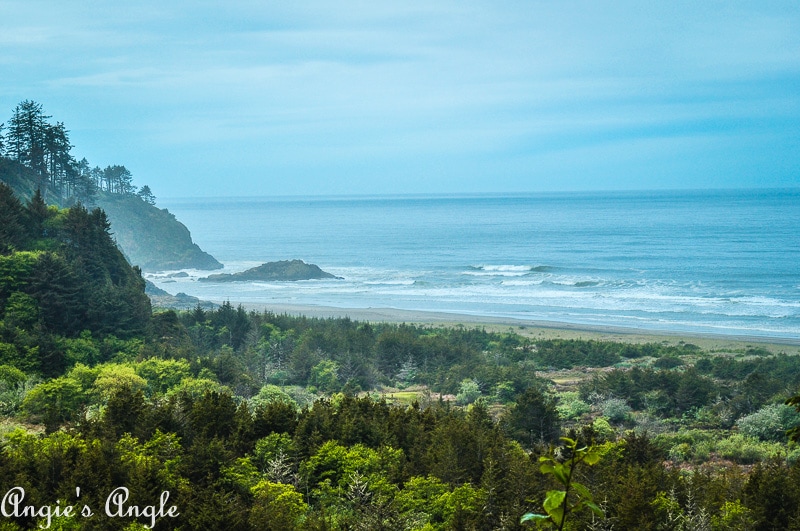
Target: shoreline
530 328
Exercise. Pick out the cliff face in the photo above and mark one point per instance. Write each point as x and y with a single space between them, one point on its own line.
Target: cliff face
153 238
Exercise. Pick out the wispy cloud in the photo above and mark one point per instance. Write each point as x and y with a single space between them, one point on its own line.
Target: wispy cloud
445 87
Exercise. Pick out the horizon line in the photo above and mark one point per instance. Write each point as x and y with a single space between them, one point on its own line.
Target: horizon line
506 194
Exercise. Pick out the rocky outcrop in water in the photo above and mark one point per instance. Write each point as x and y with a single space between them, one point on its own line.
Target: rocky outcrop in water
284 270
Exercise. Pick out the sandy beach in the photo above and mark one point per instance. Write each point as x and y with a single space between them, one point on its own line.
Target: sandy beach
541 329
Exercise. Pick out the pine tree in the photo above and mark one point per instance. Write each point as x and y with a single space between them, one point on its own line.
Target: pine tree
38 213
12 214
27 137
147 195
534 419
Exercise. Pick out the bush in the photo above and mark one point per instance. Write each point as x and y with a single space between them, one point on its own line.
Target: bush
603 430
271 393
468 392
747 450
615 409
570 406
668 362
770 423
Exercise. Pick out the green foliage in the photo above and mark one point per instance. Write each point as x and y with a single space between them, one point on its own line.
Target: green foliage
325 377
82 349
197 387
272 448
271 393
21 311
748 450
55 401
732 515
678 517
14 386
163 375
770 423
113 378
794 433
603 430
665 392
64 279
533 419
277 507
330 469
615 409
16 271
12 230
772 495
566 353
557 504
570 406
468 392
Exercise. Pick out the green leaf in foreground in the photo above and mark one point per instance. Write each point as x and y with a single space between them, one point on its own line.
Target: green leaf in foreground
557 503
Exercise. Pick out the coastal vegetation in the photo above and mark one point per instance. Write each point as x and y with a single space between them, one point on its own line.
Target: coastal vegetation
35 156
224 418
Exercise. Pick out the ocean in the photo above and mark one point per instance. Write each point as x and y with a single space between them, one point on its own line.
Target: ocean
720 262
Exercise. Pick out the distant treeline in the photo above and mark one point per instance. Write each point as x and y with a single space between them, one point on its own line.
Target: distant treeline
44 149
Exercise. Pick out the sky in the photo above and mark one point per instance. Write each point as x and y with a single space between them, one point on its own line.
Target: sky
249 97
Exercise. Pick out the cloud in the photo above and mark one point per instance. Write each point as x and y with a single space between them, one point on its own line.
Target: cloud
355 87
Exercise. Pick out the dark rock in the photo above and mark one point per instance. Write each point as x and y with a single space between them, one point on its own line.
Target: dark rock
284 270
162 299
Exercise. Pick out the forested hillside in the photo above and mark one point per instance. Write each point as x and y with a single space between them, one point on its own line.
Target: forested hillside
225 419
35 155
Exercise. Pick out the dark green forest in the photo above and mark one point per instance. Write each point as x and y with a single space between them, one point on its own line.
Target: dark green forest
36 154
232 419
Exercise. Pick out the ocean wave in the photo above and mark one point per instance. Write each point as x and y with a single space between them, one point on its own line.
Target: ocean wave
501 270
495 273
391 282
522 283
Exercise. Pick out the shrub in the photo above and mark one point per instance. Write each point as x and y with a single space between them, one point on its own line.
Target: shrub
747 450
603 430
468 392
668 362
615 409
570 406
770 423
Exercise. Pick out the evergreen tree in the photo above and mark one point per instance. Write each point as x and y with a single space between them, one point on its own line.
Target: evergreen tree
60 295
84 187
58 162
38 213
147 195
12 215
27 137
534 419
118 180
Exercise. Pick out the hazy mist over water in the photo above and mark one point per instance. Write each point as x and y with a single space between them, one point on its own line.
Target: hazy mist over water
723 262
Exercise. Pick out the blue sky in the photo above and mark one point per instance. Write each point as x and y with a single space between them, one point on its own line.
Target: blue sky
211 98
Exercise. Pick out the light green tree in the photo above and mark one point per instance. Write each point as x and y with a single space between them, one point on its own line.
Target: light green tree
276 507
468 392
